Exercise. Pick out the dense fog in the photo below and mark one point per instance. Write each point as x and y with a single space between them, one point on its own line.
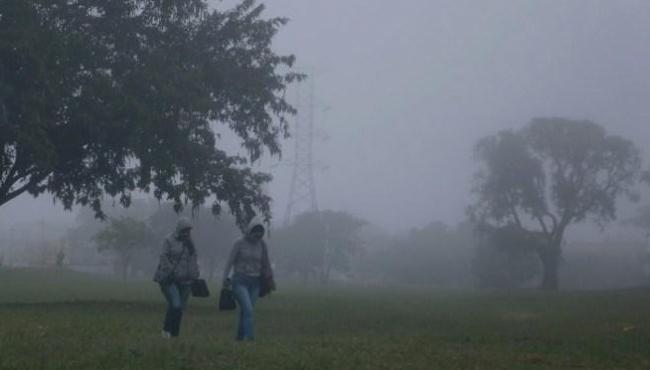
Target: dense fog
403 92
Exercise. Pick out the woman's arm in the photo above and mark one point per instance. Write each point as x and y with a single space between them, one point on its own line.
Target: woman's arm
165 265
230 262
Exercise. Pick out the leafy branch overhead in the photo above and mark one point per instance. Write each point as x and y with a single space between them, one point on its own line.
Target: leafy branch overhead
105 97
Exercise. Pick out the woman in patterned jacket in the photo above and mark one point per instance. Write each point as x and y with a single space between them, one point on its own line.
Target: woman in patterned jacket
177 269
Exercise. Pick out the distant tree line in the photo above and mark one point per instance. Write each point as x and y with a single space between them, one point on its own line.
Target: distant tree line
322 246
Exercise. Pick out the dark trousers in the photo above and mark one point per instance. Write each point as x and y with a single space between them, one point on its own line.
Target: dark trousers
176 295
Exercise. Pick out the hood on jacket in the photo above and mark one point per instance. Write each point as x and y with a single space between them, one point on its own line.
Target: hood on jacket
183 223
254 222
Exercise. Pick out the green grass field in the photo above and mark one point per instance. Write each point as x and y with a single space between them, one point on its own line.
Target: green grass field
65 320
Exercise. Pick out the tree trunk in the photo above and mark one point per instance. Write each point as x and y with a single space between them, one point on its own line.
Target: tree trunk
550 258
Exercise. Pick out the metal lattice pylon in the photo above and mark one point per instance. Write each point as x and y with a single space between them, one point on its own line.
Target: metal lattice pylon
302 192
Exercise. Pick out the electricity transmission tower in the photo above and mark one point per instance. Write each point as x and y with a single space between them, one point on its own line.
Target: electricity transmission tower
302 193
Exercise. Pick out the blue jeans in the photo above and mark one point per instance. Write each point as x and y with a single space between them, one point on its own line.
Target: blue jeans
246 289
176 295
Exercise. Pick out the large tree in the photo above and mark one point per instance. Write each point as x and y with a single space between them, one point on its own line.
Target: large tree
548 175
106 97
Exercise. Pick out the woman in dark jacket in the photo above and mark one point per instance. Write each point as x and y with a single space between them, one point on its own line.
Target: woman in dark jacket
252 278
177 269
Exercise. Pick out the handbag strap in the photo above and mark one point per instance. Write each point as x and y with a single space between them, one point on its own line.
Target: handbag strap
179 259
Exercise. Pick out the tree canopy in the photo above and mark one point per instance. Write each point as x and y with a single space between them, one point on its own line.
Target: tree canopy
550 174
106 97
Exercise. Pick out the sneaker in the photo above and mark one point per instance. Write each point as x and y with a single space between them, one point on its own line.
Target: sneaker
166 335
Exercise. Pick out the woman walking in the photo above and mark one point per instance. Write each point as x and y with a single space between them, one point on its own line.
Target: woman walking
177 269
252 277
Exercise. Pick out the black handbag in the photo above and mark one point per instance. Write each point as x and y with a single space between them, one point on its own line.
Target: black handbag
200 288
267 283
226 300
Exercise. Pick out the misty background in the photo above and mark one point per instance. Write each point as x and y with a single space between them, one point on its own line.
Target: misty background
404 90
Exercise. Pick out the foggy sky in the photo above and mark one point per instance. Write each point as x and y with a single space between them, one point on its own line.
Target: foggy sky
413 84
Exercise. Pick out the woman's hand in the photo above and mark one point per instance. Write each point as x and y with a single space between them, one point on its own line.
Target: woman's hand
227 284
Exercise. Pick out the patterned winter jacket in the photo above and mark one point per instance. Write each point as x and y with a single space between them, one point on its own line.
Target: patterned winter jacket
177 263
